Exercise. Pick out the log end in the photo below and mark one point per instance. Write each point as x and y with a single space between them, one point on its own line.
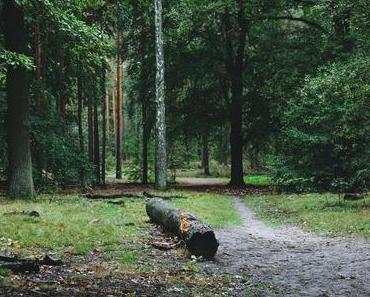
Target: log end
203 244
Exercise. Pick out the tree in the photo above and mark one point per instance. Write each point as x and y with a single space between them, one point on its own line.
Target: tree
161 150
119 119
20 181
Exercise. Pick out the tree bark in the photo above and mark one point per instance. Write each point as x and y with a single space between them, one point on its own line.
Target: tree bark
20 181
199 238
96 144
90 116
80 127
205 154
161 150
235 63
145 143
236 142
114 111
119 109
105 123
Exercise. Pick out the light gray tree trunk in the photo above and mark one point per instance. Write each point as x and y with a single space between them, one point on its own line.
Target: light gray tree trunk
161 153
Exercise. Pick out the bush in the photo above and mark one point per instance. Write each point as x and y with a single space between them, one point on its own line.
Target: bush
326 136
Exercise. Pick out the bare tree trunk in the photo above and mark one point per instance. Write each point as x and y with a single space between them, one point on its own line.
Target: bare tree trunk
96 143
145 143
119 109
235 66
80 128
114 111
205 154
20 181
105 122
90 116
161 150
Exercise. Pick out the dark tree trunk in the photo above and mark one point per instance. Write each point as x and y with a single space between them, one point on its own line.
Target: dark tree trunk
96 144
235 64
80 128
105 123
90 116
205 154
20 180
119 109
199 238
145 143
236 142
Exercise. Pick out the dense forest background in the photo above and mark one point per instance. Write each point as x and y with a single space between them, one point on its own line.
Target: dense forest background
279 86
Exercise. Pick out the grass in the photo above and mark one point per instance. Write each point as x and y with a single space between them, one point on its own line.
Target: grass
258 180
216 210
74 225
324 214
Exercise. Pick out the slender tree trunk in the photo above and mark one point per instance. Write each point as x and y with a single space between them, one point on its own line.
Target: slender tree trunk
90 116
96 144
37 51
20 180
80 128
145 143
205 154
114 111
161 150
236 142
119 109
105 123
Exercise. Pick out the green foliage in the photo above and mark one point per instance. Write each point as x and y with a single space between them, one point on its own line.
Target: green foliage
11 59
326 135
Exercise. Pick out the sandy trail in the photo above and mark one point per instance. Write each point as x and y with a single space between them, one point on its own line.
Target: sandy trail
293 262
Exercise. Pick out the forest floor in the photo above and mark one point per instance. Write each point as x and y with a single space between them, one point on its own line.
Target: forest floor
107 251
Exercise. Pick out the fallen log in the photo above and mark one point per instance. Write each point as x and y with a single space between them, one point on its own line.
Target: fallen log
149 195
165 246
199 238
96 196
18 265
32 213
353 196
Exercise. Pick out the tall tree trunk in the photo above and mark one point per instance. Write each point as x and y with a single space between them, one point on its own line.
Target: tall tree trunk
235 65
105 122
119 109
205 154
161 150
236 141
114 111
20 180
96 143
90 115
144 111
80 128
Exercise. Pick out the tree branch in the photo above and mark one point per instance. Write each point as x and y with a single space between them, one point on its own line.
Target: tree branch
301 20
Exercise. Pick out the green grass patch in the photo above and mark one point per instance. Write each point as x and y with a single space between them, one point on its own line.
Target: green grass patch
258 180
324 214
74 225
70 224
215 210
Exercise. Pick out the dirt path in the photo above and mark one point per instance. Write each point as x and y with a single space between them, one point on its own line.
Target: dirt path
292 262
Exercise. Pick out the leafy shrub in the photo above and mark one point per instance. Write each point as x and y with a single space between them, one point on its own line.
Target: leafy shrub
326 135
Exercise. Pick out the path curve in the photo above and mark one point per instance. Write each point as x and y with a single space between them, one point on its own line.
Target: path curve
293 262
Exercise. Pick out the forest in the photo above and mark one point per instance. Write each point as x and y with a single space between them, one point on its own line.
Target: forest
184 148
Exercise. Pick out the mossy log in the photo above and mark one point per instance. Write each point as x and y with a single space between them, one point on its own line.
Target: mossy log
199 238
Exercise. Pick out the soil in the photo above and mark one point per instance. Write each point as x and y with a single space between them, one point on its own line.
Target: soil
292 262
